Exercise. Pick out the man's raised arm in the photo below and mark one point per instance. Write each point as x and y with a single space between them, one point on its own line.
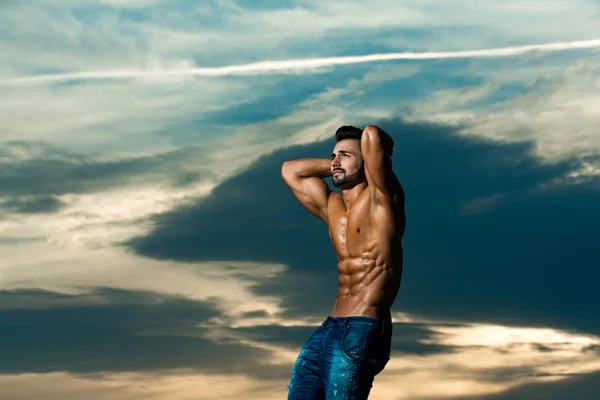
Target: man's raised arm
377 147
305 179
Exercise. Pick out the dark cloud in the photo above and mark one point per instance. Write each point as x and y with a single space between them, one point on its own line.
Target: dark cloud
256 314
48 171
592 348
506 374
489 237
114 330
417 338
33 205
542 348
39 299
9 241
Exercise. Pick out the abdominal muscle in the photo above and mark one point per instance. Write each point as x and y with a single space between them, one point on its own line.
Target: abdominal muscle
367 288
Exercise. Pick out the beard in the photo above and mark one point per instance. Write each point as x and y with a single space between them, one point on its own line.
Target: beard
339 179
344 179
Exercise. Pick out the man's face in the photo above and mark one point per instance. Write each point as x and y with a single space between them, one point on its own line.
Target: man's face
347 164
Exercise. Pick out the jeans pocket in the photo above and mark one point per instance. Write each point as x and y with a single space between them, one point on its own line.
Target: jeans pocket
367 347
353 342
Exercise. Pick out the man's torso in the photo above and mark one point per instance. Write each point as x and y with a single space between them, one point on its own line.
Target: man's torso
367 240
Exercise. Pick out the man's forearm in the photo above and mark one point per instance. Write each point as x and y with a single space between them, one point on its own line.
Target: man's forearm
308 167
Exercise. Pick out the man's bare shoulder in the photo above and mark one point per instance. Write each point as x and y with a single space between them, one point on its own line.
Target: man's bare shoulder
336 202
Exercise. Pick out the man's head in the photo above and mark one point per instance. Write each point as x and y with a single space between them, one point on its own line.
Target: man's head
347 163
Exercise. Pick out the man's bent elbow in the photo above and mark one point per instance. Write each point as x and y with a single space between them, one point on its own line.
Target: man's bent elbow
373 137
370 130
370 138
286 170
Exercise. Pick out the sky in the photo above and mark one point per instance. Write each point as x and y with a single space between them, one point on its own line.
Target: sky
151 250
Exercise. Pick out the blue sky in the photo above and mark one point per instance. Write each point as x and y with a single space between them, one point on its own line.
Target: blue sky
151 249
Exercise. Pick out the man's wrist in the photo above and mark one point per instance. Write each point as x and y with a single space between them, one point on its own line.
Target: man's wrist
326 168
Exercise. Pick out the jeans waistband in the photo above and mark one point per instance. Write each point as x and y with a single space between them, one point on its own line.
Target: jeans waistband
386 326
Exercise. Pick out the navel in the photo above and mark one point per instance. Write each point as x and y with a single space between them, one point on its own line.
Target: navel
358 229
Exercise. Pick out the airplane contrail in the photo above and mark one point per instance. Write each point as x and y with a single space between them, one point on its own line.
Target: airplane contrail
298 64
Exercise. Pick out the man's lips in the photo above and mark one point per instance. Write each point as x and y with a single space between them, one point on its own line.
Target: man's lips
338 171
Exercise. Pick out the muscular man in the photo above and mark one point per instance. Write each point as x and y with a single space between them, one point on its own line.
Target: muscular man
366 223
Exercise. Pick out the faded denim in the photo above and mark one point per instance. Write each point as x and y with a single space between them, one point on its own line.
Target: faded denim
340 359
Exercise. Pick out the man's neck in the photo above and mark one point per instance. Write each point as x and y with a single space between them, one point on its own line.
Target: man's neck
350 195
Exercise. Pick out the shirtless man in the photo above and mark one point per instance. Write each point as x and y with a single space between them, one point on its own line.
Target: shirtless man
366 223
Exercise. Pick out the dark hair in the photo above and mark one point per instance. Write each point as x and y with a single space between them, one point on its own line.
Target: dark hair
348 132
352 132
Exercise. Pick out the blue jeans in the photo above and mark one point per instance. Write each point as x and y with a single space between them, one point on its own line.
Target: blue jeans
341 358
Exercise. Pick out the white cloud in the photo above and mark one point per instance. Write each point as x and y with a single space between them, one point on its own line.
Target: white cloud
482 351
557 109
270 66
131 115
173 386
561 116
125 119
78 271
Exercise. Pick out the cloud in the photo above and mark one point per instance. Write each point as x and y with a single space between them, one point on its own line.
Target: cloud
119 331
253 216
42 169
107 201
583 387
181 386
526 101
142 117
33 205
134 119
557 112
82 271
298 65
165 36
485 360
